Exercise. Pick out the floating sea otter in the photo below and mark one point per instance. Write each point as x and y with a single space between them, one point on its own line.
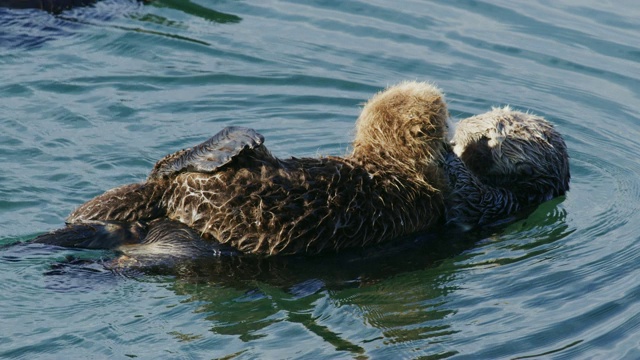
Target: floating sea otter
398 180
232 190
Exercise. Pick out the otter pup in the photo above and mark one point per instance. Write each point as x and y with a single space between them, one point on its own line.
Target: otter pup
231 189
504 161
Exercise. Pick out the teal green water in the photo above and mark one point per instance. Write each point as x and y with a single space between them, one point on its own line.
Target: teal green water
92 98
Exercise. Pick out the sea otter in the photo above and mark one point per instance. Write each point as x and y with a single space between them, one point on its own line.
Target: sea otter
503 161
230 194
230 189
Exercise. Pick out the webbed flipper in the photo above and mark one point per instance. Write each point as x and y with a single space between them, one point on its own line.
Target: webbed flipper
95 234
209 155
159 239
169 240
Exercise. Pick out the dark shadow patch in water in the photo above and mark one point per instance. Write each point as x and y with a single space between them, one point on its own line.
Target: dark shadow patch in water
30 28
256 299
191 8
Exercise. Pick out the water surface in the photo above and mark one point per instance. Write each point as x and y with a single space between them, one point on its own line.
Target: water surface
91 98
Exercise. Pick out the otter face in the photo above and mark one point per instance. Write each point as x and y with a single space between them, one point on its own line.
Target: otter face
514 150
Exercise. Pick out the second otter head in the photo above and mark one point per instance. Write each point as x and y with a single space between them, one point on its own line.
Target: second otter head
518 151
404 125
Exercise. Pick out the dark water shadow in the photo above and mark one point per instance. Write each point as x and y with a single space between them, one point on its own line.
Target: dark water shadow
25 26
59 6
243 295
30 28
51 6
191 8
400 288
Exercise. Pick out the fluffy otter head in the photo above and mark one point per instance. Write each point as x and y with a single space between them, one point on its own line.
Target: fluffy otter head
403 127
514 150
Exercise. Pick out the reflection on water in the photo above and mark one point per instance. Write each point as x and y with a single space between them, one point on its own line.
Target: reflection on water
92 97
394 294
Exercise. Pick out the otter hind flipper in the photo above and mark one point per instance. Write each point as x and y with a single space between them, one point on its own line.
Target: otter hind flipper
156 239
95 234
168 239
210 155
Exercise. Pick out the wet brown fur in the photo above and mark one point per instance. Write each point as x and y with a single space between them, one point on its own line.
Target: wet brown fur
389 186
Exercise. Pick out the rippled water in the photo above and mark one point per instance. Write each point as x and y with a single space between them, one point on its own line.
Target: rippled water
91 98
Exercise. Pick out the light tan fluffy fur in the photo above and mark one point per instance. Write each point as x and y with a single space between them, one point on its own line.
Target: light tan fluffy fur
392 130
